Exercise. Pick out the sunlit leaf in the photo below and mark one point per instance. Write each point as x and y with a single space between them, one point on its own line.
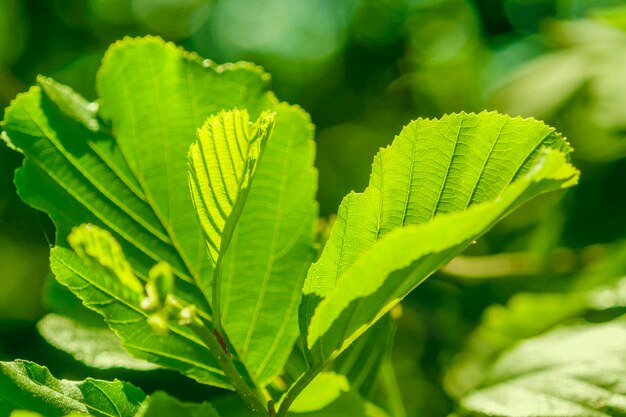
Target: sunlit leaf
272 247
121 165
438 187
322 391
222 163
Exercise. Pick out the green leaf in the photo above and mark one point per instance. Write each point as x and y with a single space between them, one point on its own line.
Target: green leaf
155 97
572 371
322 391
79 176
60 300
161 404
83 333
92 344
102 253
25 413
525 315
27 386
93 246
222 163
272 247
120 164
438 187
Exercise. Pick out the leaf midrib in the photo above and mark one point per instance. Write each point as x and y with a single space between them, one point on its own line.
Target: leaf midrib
447 175
105 394
487 159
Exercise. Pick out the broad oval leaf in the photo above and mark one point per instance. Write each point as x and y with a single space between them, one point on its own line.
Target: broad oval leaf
438 187
576 371
27 386
120 164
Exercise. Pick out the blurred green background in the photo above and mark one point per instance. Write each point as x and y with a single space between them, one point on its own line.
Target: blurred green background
363 69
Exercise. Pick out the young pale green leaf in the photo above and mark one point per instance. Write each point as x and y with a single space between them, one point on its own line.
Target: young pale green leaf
121 165
222 163
161 404
437 188
90 343
101 252
347 404
24 413
572 371
27 386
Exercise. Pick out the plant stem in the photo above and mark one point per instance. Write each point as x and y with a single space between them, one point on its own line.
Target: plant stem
253 402
297 389
390 386
216 296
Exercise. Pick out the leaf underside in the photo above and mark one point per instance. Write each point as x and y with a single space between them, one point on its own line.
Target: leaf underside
571 371
27 386
121 165
91 343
